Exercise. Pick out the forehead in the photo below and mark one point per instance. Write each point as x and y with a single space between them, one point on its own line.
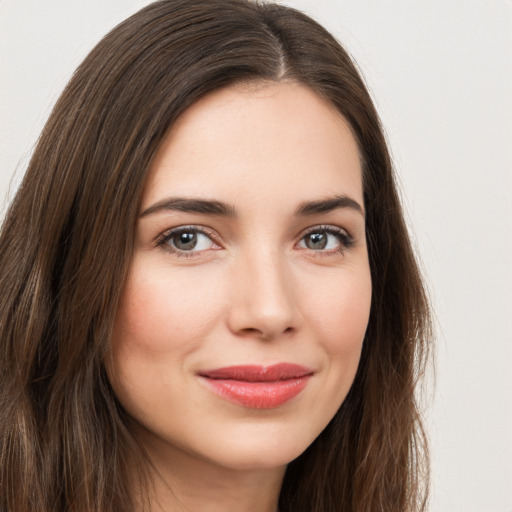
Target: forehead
280 140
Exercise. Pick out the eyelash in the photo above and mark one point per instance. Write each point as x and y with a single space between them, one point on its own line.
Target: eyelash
345 239
164 238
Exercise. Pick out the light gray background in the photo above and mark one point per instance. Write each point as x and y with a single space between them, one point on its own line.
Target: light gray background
440 72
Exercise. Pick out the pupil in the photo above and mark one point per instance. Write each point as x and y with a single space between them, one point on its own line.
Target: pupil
317 241
185 241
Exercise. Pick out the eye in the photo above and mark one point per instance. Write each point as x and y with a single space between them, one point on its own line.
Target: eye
186 240
326 239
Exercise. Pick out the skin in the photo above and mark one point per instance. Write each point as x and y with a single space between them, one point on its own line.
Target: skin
254 290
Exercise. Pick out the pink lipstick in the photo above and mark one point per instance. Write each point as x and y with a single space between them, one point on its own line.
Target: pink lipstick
258 387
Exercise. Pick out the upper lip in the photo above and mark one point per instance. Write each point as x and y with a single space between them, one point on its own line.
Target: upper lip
257 373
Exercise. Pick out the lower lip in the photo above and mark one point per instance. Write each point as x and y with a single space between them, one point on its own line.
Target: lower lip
258 395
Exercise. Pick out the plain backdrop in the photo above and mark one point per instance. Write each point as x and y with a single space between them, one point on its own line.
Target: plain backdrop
440 72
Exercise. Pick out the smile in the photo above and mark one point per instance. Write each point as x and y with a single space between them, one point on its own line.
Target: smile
258 387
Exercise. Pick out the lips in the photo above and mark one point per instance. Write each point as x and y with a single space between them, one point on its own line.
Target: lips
258 387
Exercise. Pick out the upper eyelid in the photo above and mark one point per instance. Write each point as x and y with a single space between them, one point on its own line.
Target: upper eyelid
189 227
347 240
331 228
168 233
325 227
216 238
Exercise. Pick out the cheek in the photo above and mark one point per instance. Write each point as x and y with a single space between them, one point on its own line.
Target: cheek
342 307
339 315
161 312
162 318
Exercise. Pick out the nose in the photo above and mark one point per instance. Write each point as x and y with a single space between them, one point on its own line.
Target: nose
264 297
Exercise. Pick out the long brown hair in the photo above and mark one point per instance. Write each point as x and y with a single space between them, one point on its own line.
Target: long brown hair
66 244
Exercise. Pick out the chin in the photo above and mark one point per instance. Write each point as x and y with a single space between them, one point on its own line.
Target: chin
260 449
258 459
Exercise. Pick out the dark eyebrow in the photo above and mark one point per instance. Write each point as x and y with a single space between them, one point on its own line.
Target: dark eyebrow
328 205
211 207
191 205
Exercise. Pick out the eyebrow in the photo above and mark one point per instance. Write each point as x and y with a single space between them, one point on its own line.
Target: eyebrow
328 205
192 205
218 208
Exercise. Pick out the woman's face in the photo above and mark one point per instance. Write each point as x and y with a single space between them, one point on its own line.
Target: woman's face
240 326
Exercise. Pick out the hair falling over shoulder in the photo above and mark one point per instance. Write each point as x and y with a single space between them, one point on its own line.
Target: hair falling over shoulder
67 239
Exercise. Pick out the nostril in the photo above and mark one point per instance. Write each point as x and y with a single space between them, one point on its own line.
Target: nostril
265 334
251 330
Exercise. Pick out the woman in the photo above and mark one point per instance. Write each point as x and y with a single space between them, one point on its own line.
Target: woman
210 300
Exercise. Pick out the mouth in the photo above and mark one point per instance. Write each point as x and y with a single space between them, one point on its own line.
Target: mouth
258 387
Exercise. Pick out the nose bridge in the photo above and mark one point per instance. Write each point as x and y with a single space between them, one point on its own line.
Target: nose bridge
264 301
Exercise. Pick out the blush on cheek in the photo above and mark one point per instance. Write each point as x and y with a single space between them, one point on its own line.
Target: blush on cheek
342 316
165 310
